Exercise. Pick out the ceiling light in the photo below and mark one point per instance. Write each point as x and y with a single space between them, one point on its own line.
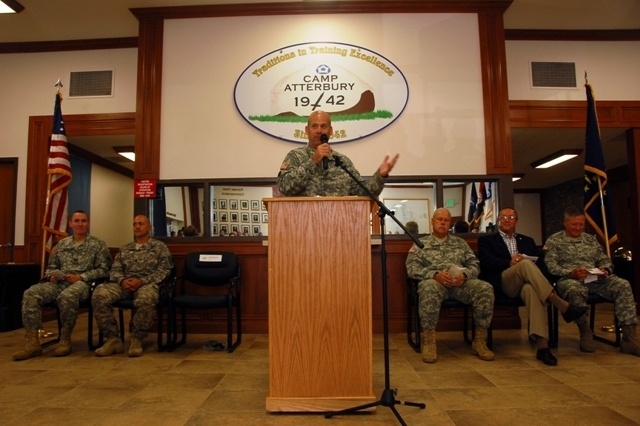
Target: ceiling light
128 152
10 6
556 158
517 177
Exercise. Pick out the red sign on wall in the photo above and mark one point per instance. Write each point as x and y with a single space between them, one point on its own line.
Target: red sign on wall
144 188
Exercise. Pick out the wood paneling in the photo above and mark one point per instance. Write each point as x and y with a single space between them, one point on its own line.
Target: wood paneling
573 35
497 132
572 113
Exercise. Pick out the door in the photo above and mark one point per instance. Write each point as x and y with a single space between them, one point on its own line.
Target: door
9 179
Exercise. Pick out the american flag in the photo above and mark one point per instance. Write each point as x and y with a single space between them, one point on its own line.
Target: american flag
59 171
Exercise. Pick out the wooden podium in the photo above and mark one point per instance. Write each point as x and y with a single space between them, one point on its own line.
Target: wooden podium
320 318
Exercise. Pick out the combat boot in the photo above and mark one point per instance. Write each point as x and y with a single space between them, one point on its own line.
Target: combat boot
429 350
64 346
113 345
479 345
135 348
31 348
586 337
629 343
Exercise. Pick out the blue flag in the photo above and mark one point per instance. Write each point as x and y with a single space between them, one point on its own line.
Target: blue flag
472 202
597 205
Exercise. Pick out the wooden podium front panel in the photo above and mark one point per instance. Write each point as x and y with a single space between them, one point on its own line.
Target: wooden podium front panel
320 334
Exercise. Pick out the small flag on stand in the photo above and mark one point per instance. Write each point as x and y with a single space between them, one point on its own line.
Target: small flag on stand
482 196
597 205
473 199
59 178
488 215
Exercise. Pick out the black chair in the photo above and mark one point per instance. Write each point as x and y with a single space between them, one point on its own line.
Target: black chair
208 269
164 291
593 300
84 304
414 338
501 299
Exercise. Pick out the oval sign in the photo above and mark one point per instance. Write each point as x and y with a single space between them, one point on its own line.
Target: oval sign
362 90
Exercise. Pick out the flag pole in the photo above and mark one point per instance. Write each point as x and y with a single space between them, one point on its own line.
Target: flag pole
45 233
604 218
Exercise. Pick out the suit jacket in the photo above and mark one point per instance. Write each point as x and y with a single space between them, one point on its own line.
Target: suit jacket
495 257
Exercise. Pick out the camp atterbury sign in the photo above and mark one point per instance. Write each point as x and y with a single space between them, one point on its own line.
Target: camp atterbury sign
362 90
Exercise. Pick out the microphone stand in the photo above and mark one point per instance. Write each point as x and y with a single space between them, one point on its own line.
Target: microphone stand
388 397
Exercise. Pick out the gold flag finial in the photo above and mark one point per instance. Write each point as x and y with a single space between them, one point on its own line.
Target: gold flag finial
58 86
586 80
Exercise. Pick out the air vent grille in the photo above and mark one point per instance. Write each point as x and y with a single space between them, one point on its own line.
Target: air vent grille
91 83
553 74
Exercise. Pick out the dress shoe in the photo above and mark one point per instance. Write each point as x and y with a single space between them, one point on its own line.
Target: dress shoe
547 357
573 313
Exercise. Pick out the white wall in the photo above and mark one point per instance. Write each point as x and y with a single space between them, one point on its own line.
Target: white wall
424 135
28 81
441 130
612 68
111 206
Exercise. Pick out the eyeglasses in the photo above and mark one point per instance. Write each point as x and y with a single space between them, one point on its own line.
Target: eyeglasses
510 217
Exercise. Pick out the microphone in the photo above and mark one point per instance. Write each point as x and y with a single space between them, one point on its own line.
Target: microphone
325 161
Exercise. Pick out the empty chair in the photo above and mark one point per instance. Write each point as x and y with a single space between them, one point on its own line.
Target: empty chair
208 269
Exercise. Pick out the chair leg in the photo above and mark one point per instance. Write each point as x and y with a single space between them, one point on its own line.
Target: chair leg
552 322
599 338
121 318
465 327
55 340
159 319
413 318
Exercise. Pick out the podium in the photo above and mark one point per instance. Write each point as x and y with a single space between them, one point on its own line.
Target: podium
320 315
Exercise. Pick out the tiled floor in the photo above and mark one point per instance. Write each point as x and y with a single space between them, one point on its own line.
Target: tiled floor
193 386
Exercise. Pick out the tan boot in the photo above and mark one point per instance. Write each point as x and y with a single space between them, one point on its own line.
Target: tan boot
135 348
64 346
586 337
479 345
31 348
629 343
429 350
113 345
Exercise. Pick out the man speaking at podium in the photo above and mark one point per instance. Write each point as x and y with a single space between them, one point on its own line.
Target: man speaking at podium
312 170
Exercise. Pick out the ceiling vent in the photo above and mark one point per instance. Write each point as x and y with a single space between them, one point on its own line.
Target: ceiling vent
553 74
91 84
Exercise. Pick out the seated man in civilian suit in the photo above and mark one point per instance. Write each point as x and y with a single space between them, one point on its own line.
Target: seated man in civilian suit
74 263
137 271
504 263
583 267
447 268
302 173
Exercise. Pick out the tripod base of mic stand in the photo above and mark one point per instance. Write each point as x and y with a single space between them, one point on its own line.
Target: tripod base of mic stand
388 399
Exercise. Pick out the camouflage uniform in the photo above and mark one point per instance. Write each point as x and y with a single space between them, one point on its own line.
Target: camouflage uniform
90 259
151 262
436 257
301 177
564 254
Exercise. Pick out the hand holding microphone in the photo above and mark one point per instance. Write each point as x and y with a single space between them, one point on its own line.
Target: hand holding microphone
325 161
